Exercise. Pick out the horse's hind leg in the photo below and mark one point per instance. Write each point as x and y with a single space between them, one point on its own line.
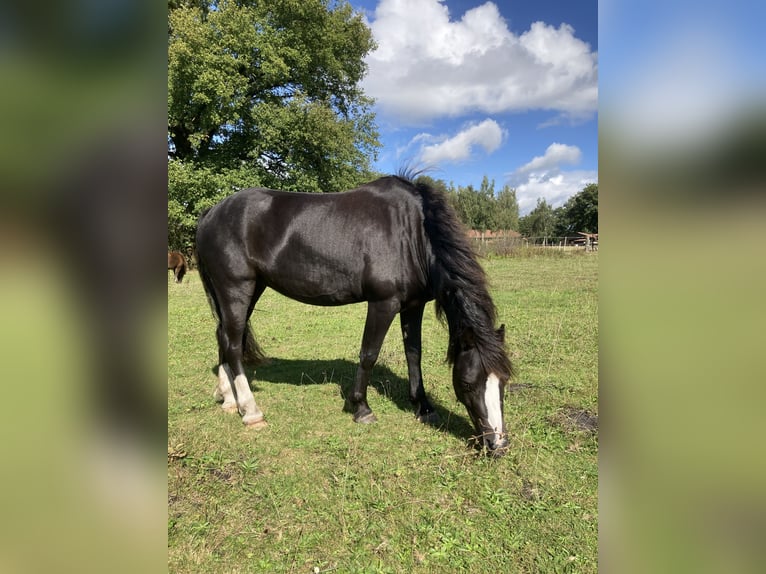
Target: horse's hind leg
223 392
234 309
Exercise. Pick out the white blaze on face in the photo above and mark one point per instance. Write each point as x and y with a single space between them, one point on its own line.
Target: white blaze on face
492 402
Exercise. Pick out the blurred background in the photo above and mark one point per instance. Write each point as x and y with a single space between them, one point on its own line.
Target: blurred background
83 203
83 186
682 149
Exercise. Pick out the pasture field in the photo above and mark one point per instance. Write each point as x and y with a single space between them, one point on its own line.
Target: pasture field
315 492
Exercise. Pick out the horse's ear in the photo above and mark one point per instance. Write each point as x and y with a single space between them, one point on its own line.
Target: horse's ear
501 333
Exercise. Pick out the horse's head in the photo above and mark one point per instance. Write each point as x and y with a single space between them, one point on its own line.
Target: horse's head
481 392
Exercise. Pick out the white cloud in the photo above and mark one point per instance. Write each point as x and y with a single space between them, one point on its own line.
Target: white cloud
543 177
428 66
488 135
555 155
555 188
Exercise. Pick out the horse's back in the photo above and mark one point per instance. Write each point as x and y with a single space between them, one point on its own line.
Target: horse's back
323 249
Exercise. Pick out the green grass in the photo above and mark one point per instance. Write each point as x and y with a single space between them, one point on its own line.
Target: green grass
313 490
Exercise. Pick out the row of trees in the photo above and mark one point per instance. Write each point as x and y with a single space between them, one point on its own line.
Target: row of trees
267 94
481 208
487 209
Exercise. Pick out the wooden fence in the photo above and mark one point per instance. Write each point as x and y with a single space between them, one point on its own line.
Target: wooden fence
511 239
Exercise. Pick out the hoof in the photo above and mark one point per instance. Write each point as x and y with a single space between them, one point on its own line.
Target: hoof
231 409
431 418
367 419
255 424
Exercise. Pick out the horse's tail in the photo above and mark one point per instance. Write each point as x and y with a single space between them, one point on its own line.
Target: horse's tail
251 352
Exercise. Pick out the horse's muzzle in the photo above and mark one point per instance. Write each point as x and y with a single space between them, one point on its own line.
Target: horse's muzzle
496 444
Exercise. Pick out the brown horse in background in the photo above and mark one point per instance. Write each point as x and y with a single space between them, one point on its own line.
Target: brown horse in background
177 262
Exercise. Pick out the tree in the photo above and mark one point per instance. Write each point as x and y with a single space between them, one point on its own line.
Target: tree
271 84
540 222
475 207
579 213
269 91
507 209
437 184
481 209
192 189
485 202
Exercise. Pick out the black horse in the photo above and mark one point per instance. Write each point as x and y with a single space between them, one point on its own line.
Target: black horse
392 243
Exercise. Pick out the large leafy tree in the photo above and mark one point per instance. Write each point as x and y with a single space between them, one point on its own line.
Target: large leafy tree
268 89
579 213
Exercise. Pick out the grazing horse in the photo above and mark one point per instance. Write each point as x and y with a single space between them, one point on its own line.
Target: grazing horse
391 243
177 262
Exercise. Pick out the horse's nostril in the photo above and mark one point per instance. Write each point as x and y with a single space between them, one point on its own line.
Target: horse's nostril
496 448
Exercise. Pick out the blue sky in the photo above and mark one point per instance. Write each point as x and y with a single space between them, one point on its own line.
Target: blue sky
503 89
675 74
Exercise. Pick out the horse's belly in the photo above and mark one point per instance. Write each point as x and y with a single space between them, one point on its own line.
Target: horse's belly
337 272
325 292
327 288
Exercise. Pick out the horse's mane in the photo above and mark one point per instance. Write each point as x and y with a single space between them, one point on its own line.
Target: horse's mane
458 282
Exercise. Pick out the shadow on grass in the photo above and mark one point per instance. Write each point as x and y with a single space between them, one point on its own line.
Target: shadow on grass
341 373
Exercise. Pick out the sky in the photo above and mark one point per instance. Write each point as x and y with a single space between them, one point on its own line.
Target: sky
678 72
506 89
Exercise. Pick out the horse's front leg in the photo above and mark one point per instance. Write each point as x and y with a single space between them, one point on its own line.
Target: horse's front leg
412 321
379 317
